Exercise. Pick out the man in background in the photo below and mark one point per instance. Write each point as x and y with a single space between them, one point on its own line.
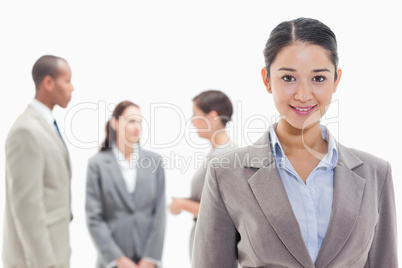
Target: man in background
38 173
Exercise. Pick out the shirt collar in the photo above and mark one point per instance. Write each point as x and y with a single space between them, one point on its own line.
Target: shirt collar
121 160
43 110
330 159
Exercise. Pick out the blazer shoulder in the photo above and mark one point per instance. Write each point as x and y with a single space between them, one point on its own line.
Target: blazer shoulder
24 122
367 159
99 157
235 158
372 168
150 154
24 127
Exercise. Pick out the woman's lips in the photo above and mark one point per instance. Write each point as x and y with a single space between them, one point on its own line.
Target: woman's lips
303 110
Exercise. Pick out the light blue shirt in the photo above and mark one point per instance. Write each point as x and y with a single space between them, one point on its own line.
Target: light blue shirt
311 201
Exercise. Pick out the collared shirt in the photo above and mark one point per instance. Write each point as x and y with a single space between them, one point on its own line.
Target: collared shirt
45 112
311 201
129 171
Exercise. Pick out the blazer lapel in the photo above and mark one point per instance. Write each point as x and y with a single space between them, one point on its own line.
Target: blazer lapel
141 178
55 137
271 195
348 194
118 180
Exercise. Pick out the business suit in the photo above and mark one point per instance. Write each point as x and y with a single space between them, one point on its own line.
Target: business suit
245 214
37 212
121 225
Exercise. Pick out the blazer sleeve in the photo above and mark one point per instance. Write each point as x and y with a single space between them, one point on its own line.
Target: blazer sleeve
25 187
383 251
215 242
154 245
98 228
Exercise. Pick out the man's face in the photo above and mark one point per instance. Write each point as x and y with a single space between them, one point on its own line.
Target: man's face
63 86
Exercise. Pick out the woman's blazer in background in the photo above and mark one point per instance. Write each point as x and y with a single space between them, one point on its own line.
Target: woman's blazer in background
120 224
245 214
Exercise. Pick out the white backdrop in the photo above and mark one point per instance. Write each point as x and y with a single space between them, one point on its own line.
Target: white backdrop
160 54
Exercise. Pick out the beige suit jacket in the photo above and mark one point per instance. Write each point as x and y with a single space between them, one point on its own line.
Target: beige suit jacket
37 212
245 215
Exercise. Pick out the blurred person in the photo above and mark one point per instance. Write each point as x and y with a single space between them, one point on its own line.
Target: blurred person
125 196
38 173
212 110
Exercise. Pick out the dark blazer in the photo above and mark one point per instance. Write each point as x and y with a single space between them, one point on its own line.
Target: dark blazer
245 214
119 223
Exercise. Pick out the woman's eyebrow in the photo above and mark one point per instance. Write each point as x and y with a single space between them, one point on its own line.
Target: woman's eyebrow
294 70
321 70
287 69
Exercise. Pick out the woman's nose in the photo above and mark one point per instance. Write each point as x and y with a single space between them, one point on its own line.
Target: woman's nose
303 93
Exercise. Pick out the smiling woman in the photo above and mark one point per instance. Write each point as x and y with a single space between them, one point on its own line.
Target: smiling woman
300 199
303 78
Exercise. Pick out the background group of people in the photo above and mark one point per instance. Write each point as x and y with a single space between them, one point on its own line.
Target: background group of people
306 202
125 201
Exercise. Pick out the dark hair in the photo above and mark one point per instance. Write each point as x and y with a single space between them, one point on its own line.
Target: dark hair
110 133
215 100
45 65
304 30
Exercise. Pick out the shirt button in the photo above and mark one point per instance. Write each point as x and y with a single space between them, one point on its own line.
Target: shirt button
312 191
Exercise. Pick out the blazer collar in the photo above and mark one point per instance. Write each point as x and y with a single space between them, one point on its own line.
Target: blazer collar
55 137
260 153
348 195
271 195
118 180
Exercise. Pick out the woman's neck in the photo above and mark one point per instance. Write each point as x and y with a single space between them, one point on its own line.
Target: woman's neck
301 139
126 149
219 137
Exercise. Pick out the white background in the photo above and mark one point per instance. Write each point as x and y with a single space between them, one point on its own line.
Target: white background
153 52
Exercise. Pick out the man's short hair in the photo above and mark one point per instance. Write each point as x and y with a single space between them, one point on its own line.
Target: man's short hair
45 65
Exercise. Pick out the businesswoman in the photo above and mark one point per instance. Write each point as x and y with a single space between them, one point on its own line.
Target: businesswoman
125 196
298 198
212 110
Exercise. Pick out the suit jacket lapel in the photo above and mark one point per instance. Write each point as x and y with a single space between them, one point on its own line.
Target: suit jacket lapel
118 180
141 178
271 195
348 194
55 137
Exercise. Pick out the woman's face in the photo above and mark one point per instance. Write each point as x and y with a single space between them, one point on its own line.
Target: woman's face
202 122
302 81
129 125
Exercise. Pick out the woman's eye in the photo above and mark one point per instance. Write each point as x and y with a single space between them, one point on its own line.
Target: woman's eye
319 78
288 78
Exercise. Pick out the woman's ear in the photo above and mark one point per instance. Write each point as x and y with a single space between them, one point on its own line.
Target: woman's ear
339 75
266 80
212 115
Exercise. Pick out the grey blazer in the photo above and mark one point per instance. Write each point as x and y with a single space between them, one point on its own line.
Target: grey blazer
38 211
121 225
245 215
